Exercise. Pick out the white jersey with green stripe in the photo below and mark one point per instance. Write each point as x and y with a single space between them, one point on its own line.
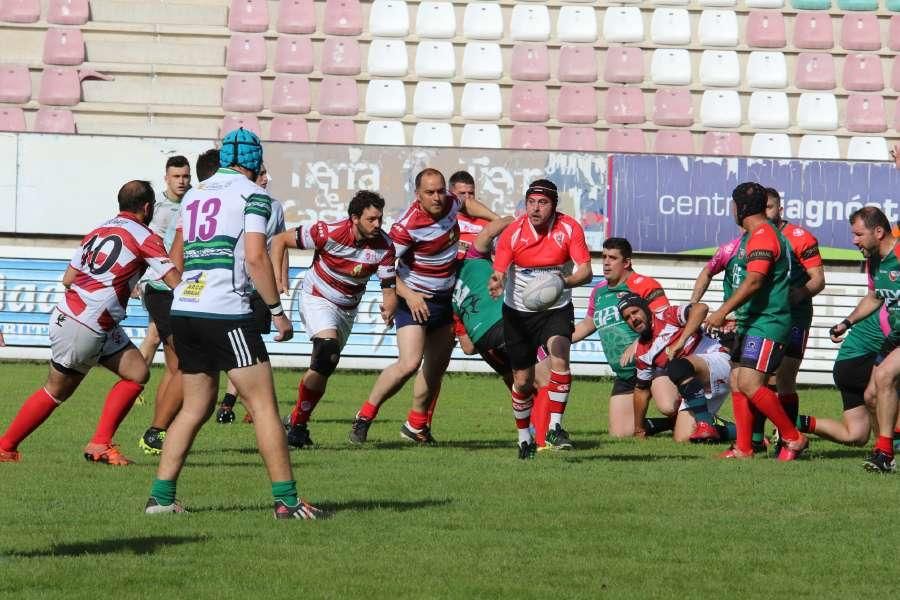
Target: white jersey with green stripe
213 219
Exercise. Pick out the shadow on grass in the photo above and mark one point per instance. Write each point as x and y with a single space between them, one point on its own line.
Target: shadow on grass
631 457
337 507
850 452
138 545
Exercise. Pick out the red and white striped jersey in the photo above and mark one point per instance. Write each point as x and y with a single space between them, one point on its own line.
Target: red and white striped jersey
110 262
342 265
665 330
427 247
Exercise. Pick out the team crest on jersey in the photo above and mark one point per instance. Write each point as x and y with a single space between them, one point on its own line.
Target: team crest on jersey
356 270
892 275
798 232
558 237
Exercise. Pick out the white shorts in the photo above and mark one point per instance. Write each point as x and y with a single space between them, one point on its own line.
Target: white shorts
719 388
78 348
319 314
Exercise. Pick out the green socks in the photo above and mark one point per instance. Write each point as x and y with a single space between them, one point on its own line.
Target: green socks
164 491
286 491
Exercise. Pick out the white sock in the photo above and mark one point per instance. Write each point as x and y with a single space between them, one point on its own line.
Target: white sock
555 419
525 435
411 428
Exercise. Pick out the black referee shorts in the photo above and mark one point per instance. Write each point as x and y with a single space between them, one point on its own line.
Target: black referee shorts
525 331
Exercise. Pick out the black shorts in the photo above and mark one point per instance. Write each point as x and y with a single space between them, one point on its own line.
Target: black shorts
891 343
759 353
159 305
261 313
623 386
440 312
526 331
851 376
492 348
213 345
797 339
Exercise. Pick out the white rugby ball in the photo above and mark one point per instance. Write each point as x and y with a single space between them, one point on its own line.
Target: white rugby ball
542 292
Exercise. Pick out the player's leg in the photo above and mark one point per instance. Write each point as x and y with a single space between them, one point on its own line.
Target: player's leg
621 409
557 388
326 354
690 374
225 413
667 401
884 378
786 375
150 342
851 377
522 393
439 344
167 403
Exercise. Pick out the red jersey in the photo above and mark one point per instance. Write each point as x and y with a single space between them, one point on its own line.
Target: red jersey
342 265
110 261
523 254
426 248
666 328
469 228
804 245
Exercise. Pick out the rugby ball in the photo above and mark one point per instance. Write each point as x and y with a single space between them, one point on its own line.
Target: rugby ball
542 291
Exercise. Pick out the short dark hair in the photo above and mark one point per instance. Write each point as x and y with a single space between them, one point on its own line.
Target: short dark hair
135 194
618 243
177 162
362 200
207 164
872 217
428 171
462 177
773 193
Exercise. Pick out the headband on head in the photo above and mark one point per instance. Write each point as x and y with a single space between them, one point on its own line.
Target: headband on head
543 188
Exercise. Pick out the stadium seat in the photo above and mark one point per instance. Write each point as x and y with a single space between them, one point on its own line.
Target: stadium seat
387 58
296 16
769 110
720 68
813 31
529 23
68 12
892 5
865 113
289 129
433 134
54 120
482 135
673 142
12 118
20 11
529 103
433 100
60 87
15 84
862 73
718 3
720 108
624 106
858 4
577 104
671 66
764 3
481 101
860 32
673 107
718 28
767 70
530 62
385 133
63 47
671 2
435 20
388 18
341 56
529 137
722 143
291 95
342 17
811 4
775 145
338 96
336 131
577 139
482 60
248 16
894 33
895 75
670 26
819 146
576 24
435 59
815 71
868 148
624 64
385 98
623 24
243 92
293 54
625 140
246 52
765 29
577 64
232 122
817 112
482 21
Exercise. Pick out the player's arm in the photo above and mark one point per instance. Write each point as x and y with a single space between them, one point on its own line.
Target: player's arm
69 276
477 210
761 257
503 258
581 257
867 305
486 236
815 285
256 215
701 284
176 252
580 275
279 256
416 301
465 342
584 328
693 316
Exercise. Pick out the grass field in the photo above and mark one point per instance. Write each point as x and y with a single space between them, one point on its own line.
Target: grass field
465 519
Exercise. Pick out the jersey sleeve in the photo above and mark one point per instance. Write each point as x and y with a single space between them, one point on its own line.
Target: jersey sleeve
458 327
401 238
154 254
644 373
719 260
592 300
806 247
257 213
312 237
387 267
276 220
503 254
650 290
680 314
762 250
578 250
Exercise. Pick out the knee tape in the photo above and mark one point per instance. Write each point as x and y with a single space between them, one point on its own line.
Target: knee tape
325 355
680 370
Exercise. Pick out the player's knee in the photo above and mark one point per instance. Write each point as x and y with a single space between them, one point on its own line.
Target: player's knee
681 371
884 378
326 354
139 375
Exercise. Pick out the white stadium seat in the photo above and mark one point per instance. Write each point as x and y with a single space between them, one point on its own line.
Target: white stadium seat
718 28
768 110
576 24
481 135
483 21
775 145
867 148
435 20
720 68
623 24
817 111
388 18
767 70
720 108
482 60
433 134
385 133
530 23
435 58
481 101
385 98
819 146
670 26
433 100
387 58
671 66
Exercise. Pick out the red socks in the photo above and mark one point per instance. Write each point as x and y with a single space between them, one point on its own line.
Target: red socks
767 402
743 422
368 411
306 403
118 402
558 391
433 404
417 420
883 443
522 406
34 411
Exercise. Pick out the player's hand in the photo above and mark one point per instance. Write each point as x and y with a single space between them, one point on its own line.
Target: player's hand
837 332
418 306
495 286
284 326
715 320
388 308
628 354
674 349
136 291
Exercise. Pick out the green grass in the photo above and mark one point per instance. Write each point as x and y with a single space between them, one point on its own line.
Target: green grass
463 520
828 253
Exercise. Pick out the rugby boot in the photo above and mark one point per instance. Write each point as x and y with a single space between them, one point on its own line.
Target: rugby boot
155 508
704 433
359 430
880 462
107 454
225 414
421 437
303 510
792 450
557 439
298 436
152 441
9 456
527 450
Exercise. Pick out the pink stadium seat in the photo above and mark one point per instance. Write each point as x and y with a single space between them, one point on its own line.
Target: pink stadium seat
60 87
289 129
343 17
625 140
812 31
624 64
232 122
250 16
63 47
296 16
577 139
524 137
293 55
673 106
12 118
338 96
862 73
860 31
815 71
578 64
243 92
336 131
530 62
54 120
624 105
340 56
722 143
529 102
895 75
246 52
577 104
894 33
674 142
20 11
765 29
865 113
290 94
15 84
68 12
